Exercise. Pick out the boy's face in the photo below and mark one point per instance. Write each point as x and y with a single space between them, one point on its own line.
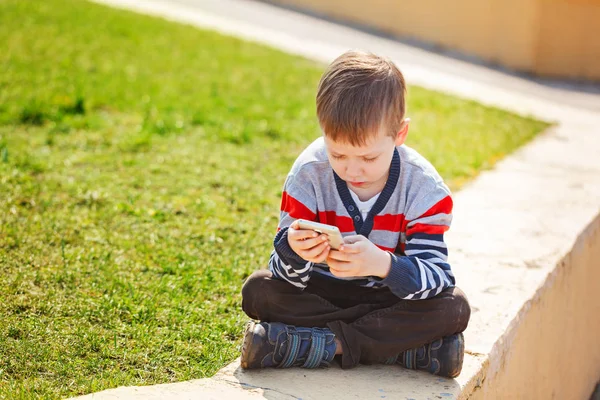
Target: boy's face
366 167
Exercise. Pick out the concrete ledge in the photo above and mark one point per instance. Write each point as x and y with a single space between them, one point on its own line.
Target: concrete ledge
550 348
530 269
524 245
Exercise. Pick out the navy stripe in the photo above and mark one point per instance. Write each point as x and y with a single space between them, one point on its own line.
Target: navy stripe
411 246
421 235
348 202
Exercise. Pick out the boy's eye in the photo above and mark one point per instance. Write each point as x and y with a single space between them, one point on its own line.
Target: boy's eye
370 159
335 156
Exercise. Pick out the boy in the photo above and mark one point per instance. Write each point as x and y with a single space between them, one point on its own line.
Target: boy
387 295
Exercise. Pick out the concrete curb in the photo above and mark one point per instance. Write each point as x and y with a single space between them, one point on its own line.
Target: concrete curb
516 229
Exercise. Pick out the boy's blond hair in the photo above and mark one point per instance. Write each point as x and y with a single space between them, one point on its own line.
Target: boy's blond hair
359 94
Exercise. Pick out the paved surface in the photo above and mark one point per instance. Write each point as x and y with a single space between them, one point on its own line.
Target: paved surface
512 225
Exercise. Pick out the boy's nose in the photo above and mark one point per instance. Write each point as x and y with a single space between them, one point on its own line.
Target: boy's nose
353 171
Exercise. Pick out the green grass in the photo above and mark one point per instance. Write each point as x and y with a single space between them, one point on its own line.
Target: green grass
141 165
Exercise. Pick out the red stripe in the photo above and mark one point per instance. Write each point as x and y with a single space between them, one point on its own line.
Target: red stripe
295 208
385 248
444 206
430 229
344 224
388 222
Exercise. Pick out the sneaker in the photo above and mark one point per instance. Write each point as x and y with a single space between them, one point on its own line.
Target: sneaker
443 357
275 344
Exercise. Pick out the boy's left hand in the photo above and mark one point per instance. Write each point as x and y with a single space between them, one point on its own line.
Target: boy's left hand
358 256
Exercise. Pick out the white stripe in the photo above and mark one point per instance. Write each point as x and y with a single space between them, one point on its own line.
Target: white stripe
283 271
428 268
432 283
297 284
414 252
281 266
306 268
274 270
427 242
439 271
276 266
422 271
434 260
293 274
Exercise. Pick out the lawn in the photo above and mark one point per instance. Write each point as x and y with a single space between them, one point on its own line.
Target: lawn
141 166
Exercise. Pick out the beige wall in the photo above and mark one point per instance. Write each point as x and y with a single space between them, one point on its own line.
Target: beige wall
569 38
553 350
547 37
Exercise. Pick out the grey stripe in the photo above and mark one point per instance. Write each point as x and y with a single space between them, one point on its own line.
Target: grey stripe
437 219
385 238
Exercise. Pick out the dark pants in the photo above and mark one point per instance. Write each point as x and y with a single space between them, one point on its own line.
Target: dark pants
372 324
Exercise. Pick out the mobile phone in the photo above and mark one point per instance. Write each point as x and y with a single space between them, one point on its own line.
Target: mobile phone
332 232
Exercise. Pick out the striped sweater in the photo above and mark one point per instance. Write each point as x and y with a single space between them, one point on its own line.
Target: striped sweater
408 220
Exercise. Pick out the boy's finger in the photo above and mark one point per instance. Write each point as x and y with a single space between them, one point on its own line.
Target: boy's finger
340 272
334 265
307 244
352 248
353 239
340 256
323 256
315 250
301 234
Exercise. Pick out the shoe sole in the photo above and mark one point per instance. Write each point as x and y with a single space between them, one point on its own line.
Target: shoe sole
247 345
460 356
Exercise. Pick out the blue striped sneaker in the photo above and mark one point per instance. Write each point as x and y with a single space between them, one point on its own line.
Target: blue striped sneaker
443 357
278 345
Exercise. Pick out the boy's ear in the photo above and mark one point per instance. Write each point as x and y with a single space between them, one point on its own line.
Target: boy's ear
403 132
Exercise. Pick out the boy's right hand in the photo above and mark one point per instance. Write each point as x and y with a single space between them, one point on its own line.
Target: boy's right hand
308 244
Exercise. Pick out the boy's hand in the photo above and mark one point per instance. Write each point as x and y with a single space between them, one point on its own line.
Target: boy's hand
308 244
359 257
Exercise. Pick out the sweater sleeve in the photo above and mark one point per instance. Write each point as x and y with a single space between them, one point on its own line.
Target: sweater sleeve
423 271
298 201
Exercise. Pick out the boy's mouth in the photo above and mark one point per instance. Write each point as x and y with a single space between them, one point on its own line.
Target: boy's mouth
358 184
